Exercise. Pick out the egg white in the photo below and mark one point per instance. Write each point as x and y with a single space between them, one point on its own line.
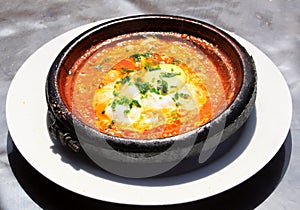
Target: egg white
155 109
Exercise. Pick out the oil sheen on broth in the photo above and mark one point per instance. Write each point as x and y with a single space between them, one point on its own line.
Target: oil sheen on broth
146 85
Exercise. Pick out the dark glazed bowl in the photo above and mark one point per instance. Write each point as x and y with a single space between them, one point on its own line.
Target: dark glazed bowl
129 153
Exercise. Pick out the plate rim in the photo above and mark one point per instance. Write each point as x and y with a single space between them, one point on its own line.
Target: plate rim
65 37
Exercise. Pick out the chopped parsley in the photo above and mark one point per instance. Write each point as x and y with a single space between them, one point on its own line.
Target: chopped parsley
106 60
169 74
119 101
127 70
179 95
147 66
154 90
143 87
154 68
176 61
151 68
135 103
184 95
115 93
147 54
125 80
176 96
136 57
98 67
126 111
124 101
163 87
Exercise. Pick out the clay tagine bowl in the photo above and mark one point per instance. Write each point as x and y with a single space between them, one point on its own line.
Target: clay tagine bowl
141 94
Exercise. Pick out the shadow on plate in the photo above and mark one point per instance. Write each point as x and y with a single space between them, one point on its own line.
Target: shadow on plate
186 171
49 195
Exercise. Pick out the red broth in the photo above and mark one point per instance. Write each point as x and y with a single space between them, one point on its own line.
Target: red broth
150 85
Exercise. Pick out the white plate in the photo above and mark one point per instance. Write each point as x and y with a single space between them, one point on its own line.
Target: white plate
259 141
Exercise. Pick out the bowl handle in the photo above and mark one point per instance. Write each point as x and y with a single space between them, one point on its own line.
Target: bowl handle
57 132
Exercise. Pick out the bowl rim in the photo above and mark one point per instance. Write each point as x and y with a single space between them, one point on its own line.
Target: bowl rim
68 119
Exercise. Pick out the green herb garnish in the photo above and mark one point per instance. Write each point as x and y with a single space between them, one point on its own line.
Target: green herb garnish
147 54
125 80
119 101
154 68
184 95
147 66
124 101
179 95
176 96
154 90
169 74
151 68
143 87
115 93
98 67
106 60
163 87
127 70
135 103
137 57
176 61
126 111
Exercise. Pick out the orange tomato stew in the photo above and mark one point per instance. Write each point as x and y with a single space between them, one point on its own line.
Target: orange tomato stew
147 85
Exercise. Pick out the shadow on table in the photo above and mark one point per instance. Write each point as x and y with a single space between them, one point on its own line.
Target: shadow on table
247 195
